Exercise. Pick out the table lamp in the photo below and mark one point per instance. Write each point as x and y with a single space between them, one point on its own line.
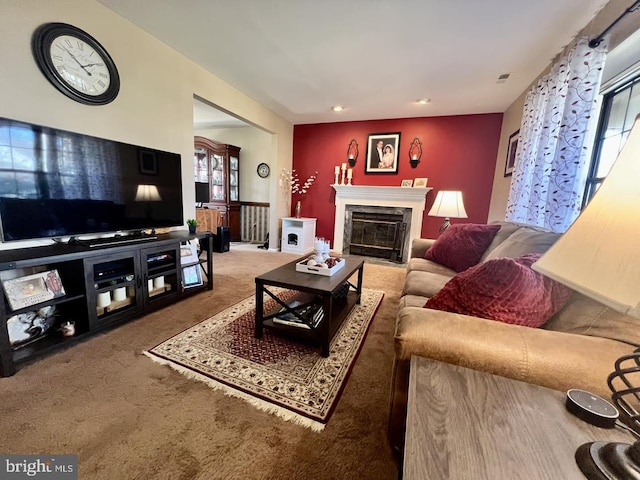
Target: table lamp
448 204
599 257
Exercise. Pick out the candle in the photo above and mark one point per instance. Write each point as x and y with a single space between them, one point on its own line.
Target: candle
350 156
350 173
337 170
414 157
344 166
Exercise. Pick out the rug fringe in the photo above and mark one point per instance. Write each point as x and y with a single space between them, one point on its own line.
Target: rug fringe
263 405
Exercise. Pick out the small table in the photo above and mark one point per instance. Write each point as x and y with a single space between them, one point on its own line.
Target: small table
322 289
298 235
466 424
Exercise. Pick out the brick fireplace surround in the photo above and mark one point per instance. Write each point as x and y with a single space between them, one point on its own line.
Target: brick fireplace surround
363 195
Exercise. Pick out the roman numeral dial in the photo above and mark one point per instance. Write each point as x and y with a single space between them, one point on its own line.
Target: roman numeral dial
80 65
75 63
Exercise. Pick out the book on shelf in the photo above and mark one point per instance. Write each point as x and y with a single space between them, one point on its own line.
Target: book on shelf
313 313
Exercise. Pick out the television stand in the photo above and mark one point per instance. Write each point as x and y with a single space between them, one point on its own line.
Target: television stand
115 240
102 287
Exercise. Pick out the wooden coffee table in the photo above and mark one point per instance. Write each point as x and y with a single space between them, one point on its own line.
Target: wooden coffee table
336 294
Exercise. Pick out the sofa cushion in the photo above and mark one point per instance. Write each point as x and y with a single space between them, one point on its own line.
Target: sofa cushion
506 229
503 289
585 316
424 284
523 241
424 265
461 246
411 301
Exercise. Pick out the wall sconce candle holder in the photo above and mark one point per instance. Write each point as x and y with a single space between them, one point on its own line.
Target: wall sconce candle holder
415 152
352 152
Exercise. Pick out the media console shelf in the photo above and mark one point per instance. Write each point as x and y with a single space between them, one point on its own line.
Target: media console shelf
103 287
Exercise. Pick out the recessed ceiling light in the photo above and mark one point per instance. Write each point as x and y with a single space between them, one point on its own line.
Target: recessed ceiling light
337 108
422 101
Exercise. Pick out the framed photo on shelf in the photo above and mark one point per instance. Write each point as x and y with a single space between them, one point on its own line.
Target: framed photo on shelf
382 153
406 183
191 276
33 289
512 148
188 254
420 182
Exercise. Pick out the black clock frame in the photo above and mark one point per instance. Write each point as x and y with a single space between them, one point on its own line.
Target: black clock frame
41 42
267 167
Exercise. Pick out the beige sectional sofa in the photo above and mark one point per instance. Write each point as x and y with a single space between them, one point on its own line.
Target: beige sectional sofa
576 348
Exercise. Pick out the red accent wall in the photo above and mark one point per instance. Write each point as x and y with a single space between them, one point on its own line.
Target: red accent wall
458 153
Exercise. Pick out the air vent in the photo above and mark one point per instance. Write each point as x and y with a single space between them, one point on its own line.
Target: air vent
503 78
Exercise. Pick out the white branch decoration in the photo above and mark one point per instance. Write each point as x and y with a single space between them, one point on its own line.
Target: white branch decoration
290 184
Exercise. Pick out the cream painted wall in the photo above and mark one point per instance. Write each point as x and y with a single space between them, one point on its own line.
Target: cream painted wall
255 148
513 115
155 104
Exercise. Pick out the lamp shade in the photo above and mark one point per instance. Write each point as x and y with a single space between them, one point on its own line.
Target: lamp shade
599 255
147 193
448 204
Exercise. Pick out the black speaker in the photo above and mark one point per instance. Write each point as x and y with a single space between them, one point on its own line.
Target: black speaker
221 240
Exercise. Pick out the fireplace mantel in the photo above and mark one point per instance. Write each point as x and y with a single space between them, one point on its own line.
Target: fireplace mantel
405 197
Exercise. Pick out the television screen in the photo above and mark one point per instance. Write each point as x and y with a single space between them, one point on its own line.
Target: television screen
55 183
202 192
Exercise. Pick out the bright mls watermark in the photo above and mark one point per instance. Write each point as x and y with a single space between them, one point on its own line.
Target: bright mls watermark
42 467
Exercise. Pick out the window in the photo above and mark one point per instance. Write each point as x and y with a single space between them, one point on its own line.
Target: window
619 110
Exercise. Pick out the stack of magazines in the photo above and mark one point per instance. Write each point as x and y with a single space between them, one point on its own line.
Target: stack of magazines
312 313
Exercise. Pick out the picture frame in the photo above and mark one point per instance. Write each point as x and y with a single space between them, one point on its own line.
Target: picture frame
512 148
407 183
147 162
188 254
420 182
30 290
191 276
377 145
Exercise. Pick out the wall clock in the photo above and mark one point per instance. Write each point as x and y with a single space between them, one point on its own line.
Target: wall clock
75 63
263 170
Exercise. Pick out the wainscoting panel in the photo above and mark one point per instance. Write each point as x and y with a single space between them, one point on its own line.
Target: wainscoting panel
254 221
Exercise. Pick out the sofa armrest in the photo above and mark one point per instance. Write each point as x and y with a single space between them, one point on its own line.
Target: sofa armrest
548 358
419 246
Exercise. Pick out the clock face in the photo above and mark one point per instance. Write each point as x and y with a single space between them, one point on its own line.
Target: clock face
263 170
80 65
75 63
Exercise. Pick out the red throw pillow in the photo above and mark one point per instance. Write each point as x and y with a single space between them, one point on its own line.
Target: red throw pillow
503 289
461 246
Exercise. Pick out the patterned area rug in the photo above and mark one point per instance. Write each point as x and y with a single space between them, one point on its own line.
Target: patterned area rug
281 376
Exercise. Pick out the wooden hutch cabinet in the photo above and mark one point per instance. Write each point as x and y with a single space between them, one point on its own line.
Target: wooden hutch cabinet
217 174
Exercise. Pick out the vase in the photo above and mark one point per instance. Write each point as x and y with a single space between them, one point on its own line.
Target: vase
192 229
298 209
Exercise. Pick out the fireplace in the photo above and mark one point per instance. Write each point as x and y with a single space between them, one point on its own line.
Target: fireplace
408 202
376 231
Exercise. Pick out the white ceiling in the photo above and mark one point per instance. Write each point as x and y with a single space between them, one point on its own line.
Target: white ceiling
375 57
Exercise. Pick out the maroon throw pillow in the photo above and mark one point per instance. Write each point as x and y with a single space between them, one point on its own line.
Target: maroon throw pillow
461 246
503 289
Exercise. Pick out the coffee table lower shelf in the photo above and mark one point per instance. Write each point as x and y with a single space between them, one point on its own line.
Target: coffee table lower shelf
340 311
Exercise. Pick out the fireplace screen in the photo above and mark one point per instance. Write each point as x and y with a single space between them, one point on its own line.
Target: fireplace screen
377 235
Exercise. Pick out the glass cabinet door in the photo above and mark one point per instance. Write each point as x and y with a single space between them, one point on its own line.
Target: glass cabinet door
217 177
200 165
233 179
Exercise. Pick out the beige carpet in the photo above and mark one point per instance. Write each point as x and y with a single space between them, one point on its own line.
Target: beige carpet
279 375
129 418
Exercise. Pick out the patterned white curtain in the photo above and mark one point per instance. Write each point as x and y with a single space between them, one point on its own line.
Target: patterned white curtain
558 126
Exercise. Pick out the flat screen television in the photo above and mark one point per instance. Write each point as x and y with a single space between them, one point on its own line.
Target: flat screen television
202 192
55 183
